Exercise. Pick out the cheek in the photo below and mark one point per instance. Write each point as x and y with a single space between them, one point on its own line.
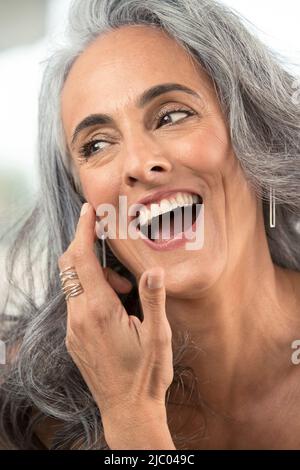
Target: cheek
208 151
98 186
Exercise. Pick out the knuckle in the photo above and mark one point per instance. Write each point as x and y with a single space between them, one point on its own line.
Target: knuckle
79 252
96 311
93 305
77 322
164 339
161 337
102 315
151 302
63 260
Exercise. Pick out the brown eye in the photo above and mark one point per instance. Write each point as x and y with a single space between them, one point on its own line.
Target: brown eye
92 147
178 111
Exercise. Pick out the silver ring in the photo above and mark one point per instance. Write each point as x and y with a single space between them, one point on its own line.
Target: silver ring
72 288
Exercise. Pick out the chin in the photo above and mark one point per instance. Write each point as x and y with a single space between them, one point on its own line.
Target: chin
187 280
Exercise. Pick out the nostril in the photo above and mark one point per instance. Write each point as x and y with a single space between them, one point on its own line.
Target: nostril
157 168
131 179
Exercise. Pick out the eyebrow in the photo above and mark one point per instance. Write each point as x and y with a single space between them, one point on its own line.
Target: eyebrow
142 101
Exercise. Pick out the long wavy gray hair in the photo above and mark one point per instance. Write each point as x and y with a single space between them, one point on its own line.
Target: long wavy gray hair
256 94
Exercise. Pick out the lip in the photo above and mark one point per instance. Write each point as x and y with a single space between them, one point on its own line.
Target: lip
162 194
157 196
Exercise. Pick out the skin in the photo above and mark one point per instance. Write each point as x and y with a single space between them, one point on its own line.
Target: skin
241 309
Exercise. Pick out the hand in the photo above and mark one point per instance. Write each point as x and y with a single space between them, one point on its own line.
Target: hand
126 363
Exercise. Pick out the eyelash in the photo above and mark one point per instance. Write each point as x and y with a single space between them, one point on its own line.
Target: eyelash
86 150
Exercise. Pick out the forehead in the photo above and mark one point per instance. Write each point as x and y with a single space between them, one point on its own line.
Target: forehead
119 65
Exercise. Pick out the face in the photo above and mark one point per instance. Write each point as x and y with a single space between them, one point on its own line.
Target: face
175 140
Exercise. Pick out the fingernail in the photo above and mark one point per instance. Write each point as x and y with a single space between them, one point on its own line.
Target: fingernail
84 208
155 280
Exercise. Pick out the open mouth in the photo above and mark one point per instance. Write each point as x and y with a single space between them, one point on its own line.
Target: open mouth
171 224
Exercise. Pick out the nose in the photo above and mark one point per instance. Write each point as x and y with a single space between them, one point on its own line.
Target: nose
146 165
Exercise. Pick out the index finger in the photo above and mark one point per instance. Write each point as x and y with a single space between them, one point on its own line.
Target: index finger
87 265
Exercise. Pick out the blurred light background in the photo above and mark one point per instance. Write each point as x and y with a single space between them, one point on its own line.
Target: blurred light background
30 29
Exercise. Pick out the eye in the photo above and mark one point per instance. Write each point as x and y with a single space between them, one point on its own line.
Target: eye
177 111
94 146
91 147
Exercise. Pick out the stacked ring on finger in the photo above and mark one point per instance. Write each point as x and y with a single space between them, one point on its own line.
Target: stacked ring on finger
71 289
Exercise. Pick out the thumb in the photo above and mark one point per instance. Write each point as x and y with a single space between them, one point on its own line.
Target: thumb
153 296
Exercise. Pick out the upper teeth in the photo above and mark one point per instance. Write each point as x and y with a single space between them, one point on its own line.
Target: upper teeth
166 205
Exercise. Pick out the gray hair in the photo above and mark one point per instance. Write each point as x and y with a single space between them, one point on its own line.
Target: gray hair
255 92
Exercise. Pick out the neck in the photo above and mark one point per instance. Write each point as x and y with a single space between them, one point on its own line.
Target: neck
243 325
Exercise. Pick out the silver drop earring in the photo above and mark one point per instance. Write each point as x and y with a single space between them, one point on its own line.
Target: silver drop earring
272 208
101 236
103 251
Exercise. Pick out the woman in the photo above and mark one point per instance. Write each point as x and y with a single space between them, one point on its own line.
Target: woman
149 99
